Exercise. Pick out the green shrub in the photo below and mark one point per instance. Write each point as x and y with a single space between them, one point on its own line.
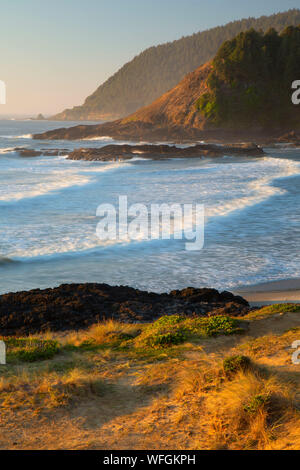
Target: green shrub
256 403
221 325
273 310
280 308
165 339
169 320
176 329
30 349
208 105
233 364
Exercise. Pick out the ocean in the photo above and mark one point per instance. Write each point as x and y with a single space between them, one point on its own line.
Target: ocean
48 217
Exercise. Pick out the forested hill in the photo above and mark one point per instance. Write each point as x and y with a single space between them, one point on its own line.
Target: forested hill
246 88
159 68
250 82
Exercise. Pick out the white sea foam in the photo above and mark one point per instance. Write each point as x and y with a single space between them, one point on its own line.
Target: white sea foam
258 190
100 167
98 138
23 136
138 159
16 137
223 188
52 182
39 177
7 150
66 244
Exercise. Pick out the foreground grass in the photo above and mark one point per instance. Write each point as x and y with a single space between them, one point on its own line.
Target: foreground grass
30 349
243 407
186 383
78 368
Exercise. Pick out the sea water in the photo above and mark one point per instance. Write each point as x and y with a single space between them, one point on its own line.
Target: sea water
48 217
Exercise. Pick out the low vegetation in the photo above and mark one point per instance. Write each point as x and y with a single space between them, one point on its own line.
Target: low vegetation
176 329
179 382
271 310
233 364
30 349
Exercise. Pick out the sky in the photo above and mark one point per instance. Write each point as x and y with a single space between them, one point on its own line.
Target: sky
54 53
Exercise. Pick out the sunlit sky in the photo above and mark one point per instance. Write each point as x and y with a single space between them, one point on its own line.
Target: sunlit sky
56 52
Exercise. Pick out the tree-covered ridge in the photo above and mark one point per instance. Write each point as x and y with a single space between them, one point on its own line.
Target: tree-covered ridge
250 83
158 69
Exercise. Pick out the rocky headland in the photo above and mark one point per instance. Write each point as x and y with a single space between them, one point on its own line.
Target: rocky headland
225 100
158 69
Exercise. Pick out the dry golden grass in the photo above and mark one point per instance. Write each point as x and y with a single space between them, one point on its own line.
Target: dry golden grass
108 397
251 409
159 374
201 373
101 333
269 345
38 390
271 310
248 412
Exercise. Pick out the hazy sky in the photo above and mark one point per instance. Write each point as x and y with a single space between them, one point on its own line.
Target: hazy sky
56 52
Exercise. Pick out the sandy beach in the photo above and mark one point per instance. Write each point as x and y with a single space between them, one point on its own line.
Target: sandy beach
287 290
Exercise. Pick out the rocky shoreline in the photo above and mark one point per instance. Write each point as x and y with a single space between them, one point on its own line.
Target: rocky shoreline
76 306
159 152
28 153
291 138
220 147
139 131
115 152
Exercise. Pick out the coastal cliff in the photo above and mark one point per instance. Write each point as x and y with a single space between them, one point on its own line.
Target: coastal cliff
174 115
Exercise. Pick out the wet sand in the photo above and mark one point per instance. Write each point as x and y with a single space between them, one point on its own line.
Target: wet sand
287 290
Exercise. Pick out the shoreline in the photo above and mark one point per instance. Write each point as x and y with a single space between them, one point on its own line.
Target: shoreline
124 152
285 290
152 132
113 152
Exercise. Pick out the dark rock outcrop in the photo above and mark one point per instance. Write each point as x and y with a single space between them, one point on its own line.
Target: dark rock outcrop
291 138
75 306
159 152
54 152
156 152
26 152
